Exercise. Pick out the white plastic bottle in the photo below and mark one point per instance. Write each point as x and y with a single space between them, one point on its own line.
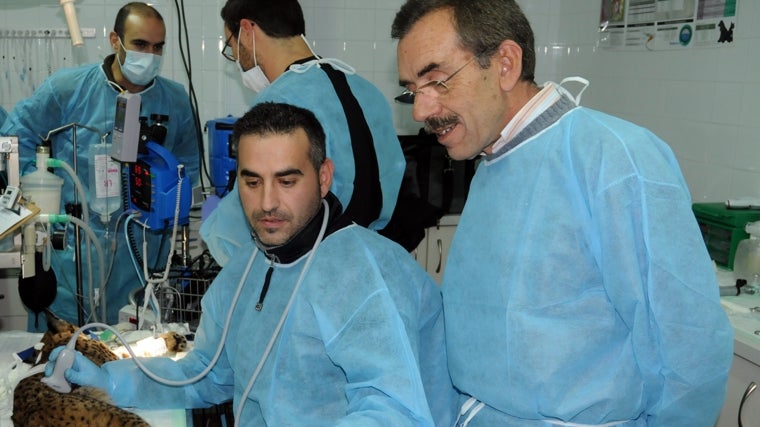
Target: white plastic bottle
747 256
105 182
42 187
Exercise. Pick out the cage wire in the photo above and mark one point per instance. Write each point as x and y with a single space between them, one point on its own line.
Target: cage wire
180 297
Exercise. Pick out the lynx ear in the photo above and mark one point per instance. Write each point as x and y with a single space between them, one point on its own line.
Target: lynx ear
57 325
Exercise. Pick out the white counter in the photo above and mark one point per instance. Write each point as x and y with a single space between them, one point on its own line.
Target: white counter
742 402
743 319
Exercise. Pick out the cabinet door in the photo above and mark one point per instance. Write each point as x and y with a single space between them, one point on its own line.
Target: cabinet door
12 312
743 374
420 253
438 243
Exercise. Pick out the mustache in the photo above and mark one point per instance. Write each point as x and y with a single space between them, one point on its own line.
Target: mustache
434 124
270 214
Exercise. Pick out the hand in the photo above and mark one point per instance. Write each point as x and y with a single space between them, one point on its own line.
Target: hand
83 372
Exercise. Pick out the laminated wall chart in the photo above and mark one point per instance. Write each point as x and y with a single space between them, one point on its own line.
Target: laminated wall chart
666 24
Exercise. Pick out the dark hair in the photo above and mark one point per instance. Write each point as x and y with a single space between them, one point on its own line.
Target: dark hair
134 8
271 118
278 19
481 25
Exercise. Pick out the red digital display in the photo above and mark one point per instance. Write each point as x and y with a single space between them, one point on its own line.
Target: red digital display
140 185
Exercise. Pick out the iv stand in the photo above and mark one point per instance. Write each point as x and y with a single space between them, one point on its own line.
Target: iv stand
77 236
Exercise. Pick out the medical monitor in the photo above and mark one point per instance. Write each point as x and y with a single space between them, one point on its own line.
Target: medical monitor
126 128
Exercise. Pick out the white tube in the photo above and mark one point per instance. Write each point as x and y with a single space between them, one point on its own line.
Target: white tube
101 264
56 163
30 241
71 20
270 344
101 260
212 362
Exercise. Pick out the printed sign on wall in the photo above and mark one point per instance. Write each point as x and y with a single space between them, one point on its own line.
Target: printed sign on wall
666 24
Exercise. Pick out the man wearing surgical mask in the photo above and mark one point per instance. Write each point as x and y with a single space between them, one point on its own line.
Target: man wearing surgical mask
267 42
86 95
139 60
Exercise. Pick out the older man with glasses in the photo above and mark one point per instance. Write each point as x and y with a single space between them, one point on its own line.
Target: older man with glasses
578 290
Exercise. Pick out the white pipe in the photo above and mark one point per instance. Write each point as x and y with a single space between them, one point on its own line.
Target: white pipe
30 240
101 265
71 20
57 163
101 259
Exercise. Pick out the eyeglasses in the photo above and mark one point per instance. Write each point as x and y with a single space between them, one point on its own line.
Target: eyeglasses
227 50
438 87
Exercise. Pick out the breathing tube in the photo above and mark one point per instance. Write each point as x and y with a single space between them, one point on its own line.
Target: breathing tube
62 219
84 225
66 357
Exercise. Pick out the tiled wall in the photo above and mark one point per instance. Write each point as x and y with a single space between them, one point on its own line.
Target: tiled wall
701 101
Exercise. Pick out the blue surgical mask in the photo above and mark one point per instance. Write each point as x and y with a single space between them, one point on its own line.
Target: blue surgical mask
140 68
254 79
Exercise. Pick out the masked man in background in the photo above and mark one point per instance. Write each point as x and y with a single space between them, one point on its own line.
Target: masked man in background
266 40
578 289
86 95
330 324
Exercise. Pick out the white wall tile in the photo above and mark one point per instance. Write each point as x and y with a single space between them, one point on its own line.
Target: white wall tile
702 101
330 23
358 26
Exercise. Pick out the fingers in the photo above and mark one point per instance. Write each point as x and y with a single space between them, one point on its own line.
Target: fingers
54 354
51 360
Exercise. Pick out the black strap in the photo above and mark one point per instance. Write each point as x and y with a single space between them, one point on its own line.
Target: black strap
367 198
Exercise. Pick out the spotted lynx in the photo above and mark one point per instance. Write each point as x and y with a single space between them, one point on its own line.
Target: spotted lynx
35 404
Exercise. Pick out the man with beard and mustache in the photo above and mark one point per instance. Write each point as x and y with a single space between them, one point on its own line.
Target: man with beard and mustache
86 96
578 289
267 42
332 324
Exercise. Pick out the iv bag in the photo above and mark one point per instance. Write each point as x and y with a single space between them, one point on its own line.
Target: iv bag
105 182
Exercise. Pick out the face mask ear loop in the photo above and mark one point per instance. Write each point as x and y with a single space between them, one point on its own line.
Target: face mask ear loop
240 31
114 84
253 40
125 53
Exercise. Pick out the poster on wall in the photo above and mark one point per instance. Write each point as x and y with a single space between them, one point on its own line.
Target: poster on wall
666 24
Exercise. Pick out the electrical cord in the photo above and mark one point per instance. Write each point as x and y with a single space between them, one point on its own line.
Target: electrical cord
187 63
58 372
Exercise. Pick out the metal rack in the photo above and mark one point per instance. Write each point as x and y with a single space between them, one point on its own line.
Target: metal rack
180 299
44 33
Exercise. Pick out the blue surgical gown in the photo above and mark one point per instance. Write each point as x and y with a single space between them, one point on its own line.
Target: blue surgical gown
83 95
3 115
307 86
362 344
578 287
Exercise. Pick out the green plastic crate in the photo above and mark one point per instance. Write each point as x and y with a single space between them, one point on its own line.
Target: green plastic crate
723 229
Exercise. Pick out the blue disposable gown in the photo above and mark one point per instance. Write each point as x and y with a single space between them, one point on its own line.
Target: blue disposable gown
83 95
578 287
3 115
307 86
363 319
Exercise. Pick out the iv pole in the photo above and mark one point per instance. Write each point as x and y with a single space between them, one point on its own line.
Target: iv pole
77 212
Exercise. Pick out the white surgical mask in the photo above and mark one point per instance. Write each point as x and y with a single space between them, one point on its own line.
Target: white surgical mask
254 79
140 68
